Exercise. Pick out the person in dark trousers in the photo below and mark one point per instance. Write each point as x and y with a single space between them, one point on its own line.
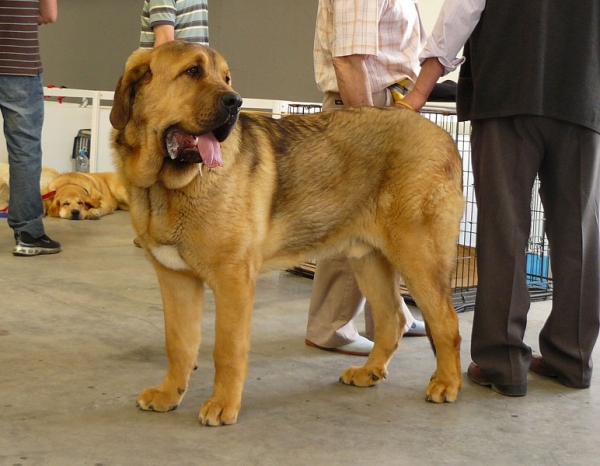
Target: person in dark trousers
530 85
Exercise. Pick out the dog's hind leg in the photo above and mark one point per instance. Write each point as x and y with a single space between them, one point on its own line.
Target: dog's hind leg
379 283
427 263
182 297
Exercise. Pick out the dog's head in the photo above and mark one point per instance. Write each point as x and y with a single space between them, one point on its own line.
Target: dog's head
172 108
71 202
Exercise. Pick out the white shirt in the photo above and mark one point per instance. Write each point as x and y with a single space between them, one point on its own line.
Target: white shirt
455 23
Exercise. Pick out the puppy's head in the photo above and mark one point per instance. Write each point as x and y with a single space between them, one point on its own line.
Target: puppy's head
71 202
172 108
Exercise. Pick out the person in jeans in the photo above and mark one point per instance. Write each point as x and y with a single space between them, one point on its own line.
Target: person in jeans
530 85
22 106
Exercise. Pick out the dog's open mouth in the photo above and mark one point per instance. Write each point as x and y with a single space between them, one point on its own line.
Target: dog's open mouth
189 148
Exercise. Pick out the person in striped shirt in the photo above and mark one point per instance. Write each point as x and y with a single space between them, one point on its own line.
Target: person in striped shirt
22 106
166 20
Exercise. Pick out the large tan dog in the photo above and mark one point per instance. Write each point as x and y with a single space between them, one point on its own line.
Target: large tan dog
81 196
215 201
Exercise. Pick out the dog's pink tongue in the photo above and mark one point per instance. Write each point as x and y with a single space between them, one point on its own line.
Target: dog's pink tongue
210 150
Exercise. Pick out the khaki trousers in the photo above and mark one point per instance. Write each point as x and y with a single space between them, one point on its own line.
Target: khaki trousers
336 299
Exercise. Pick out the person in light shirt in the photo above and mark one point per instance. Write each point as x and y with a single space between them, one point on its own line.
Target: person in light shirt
363 50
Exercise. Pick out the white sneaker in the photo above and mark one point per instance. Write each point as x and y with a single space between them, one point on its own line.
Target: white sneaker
417 329
360 347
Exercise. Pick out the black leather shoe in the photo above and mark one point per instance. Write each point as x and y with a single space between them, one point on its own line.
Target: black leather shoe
538 366
477 376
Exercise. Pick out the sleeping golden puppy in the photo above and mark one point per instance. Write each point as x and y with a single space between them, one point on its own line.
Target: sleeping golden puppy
82 196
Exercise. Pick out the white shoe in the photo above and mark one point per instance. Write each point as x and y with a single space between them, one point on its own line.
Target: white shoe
360 347
417 329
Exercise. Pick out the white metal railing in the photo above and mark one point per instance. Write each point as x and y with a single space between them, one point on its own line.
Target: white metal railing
86 96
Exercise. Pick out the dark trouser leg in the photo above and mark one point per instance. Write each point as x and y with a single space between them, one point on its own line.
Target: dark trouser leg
505 163
570 182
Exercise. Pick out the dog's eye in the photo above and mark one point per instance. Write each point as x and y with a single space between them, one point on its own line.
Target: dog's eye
194 71
228 79
66 203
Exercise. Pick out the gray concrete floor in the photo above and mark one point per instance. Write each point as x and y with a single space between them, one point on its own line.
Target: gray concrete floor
81 333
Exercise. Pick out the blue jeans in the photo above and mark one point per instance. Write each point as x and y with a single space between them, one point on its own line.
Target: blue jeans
22 105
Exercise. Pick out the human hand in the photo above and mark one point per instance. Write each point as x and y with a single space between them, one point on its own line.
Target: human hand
412 101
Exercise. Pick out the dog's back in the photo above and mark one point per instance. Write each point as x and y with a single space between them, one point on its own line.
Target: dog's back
351 175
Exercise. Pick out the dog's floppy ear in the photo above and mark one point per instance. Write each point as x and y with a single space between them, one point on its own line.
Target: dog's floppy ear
136 68
54 208
92 203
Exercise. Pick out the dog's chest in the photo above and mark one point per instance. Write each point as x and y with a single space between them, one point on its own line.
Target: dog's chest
159 229
169 257
163 240
183 228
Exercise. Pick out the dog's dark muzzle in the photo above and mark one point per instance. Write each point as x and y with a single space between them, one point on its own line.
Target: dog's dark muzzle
231 103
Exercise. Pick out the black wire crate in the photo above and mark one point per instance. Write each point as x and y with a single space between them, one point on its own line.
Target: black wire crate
464 279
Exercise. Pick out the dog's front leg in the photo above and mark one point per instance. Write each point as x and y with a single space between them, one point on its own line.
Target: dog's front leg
234 298
100 208
182 297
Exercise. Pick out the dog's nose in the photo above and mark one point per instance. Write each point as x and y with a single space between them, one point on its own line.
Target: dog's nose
232 101
75 214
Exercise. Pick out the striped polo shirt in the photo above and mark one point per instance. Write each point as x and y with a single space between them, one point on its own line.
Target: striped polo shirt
188 17
19 40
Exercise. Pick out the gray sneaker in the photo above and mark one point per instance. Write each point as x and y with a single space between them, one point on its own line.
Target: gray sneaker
29 246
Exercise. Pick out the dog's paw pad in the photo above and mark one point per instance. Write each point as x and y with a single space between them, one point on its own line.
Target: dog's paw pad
153 399
361 376
216 413
442 392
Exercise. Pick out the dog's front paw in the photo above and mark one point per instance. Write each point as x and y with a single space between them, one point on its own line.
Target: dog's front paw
153 399
442 391
216 412
363 376
93 214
